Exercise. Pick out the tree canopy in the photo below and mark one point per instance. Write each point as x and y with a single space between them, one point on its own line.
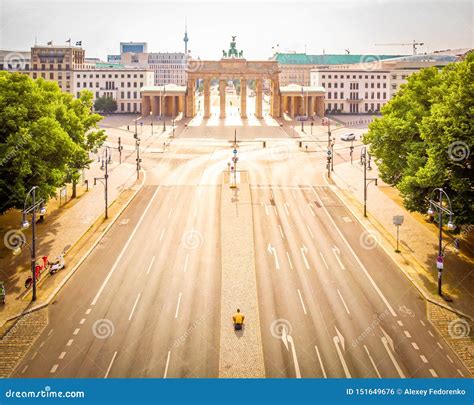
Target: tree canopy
105 104
424 138
45 137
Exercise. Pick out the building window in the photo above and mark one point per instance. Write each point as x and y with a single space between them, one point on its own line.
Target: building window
378 95
96 94
78 94
366 95
366 85
51 76
394 86
384 95
378 85
366 107
78 84
342 95
329 85
323 76
329 95
122 94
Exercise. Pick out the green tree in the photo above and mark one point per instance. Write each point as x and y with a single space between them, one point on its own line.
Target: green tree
424 138
45 137
76 118
105 104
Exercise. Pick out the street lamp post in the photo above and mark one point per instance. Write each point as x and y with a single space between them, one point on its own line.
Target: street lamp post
332 153
367 180
25 224
120 148
163 105
106 159
151 115
438 206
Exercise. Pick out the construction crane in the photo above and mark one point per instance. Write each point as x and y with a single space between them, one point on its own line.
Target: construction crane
413 44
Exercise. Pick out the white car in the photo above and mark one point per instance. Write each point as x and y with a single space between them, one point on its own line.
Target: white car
348 137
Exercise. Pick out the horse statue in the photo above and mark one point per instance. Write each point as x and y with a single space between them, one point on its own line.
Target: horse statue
224 54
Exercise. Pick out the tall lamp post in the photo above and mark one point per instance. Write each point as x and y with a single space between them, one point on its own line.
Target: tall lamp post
163 105
36 205
367 180
436 205
105 160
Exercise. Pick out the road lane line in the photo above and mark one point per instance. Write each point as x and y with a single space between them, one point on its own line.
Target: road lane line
460 373
119 258
433 373
344 302
50 332
415 346
303 251
289 260
281 231
54 368
407 334
286 209
341 357
88 311
176 194
302 303
24 369
42 344
273 252
186 262
76 331
431 334
324 260
150 265
275 209
450 359
336 252
167 364
69 342
309 230
177 307
81 322
266 209
134 306
400 323
422 323
423 359
110 365
162 233
34 355
61 356
392 358
439 345
372 361
374 285
321 362
311 209
170 211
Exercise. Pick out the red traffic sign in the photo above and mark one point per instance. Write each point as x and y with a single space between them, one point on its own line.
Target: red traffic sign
439 259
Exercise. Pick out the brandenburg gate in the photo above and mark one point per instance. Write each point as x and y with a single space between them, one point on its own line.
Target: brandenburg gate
293 100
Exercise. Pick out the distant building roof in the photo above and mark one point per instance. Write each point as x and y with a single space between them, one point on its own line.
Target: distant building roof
104 65
304 59
432 57
298 89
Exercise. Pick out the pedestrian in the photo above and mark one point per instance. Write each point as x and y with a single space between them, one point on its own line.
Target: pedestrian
238 320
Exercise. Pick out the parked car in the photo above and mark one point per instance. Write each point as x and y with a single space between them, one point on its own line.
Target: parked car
348 137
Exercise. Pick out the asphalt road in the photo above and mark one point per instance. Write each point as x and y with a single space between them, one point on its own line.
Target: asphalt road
146 302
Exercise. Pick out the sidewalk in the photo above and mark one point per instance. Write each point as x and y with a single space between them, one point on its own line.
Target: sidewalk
62 231
418 239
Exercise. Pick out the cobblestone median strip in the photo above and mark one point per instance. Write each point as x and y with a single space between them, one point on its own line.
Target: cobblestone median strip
456 331
18 339
241 352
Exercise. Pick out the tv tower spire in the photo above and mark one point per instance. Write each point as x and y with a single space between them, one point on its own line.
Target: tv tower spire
186 39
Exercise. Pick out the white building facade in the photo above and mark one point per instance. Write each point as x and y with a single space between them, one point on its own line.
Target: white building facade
120 83
366 88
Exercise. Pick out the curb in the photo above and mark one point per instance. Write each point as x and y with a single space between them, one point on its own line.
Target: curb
82 259
420 289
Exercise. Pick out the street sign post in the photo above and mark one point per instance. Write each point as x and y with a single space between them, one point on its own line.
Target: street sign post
398 221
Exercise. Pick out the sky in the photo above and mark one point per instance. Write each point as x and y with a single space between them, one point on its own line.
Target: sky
314 26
